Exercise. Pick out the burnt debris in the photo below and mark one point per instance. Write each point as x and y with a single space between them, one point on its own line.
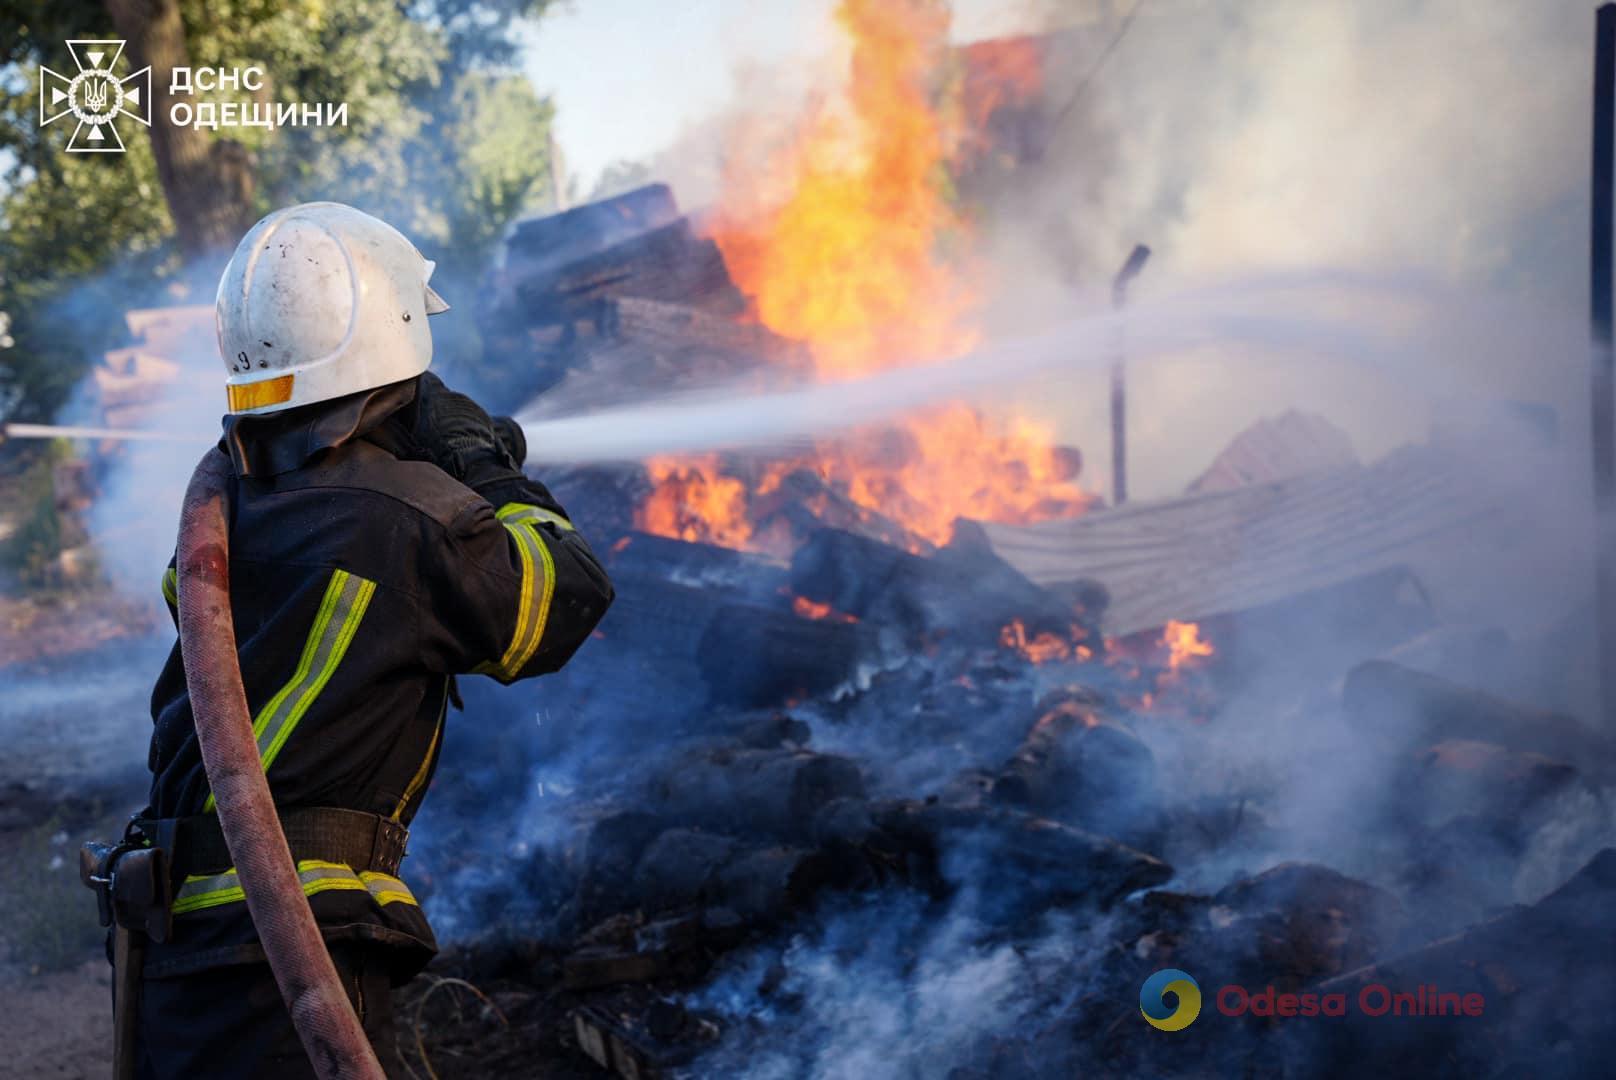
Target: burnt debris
844 801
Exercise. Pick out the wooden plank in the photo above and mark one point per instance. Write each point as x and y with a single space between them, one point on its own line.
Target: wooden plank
178 333
1232 550
670 263
1275 448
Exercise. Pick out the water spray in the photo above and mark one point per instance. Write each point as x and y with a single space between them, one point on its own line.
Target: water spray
61 431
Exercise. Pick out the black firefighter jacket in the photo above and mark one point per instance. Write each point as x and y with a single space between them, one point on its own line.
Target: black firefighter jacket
361 583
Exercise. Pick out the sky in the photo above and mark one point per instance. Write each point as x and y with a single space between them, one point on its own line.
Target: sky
628 75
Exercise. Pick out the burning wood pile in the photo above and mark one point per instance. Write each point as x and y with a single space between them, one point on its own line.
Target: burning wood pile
774 785
832 744
900 755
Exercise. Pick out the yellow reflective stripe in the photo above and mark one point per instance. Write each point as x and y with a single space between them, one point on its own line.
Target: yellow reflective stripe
511 513
386 889
255 395
541 615
426 766
316 876
533 612
336 622
524 551
205 892
171 587
351 607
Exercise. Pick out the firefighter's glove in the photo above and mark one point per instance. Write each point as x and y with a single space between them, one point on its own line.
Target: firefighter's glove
511 439
459 435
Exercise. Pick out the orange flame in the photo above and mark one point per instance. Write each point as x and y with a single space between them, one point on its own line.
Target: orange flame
1046 646
851 241
1184 644
849 259
690 500
809 609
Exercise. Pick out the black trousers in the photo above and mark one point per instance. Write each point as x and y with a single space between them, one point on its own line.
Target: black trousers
231 1021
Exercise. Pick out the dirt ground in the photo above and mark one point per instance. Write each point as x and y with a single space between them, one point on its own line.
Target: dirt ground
58 1024
72 762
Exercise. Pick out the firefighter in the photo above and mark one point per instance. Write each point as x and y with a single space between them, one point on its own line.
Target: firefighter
384 540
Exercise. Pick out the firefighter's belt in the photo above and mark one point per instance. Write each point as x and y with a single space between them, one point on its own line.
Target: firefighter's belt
356 839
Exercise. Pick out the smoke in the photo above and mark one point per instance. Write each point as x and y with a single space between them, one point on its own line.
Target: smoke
1368 210
1421 165
1432 137
893 987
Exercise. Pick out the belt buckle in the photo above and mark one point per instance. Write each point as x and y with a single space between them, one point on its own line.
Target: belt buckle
387 849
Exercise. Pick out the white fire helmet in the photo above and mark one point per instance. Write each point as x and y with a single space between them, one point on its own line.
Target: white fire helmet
322 300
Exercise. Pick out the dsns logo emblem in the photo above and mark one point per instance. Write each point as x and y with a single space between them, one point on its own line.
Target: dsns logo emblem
94 96
1153 1000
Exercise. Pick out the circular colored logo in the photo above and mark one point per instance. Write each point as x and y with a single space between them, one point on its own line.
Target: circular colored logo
1153 1000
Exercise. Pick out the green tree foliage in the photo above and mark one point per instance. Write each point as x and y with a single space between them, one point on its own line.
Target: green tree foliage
37 528
443 139
64 218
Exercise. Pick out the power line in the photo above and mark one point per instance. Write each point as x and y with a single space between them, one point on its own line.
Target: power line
1088 76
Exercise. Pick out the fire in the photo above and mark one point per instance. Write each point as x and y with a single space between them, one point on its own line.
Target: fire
1184 644
849 258
1046 646
955 463
999 74
851 240
1167 673
808 609
690 500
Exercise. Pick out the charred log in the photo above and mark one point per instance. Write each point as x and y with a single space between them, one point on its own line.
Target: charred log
668 263
643 556
1461 776
1078 765
642 1045
685 867
582 231
964 589
771 793
1413 708
755 656
1522 968
1053 865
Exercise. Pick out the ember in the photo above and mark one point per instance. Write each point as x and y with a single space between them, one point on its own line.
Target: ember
1045 646
810 610
1184 644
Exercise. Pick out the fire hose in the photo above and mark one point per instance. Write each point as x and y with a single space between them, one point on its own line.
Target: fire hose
321 1013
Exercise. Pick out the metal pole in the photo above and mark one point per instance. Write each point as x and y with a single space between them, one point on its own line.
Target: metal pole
1603 427
1119 379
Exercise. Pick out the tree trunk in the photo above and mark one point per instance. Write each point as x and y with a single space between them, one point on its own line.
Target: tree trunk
208 182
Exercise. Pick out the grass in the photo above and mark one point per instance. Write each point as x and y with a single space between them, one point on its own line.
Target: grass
35 536
47 917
